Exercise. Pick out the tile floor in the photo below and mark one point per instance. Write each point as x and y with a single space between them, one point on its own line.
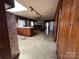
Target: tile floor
40 46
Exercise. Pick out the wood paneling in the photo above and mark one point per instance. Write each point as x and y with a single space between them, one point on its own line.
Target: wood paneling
68 30
56 18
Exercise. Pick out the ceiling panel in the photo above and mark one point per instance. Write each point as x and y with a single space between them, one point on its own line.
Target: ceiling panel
46 8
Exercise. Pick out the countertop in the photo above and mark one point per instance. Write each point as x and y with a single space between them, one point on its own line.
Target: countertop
25 27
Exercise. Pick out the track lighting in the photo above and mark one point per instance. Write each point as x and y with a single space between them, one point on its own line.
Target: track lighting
35 11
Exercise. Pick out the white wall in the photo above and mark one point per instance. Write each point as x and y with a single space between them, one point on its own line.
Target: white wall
28 23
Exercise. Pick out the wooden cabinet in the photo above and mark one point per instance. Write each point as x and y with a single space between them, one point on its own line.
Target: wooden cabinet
25 31
68 30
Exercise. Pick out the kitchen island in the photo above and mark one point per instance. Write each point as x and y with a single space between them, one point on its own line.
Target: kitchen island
25 31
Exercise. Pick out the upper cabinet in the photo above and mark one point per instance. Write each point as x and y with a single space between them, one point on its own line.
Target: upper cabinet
9 4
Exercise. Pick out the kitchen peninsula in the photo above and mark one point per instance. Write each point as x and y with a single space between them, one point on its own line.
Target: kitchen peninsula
25 31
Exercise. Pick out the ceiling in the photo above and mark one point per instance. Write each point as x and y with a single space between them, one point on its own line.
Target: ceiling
46 8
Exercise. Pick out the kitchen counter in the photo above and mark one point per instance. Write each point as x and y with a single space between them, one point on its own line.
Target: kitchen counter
25 31
25 27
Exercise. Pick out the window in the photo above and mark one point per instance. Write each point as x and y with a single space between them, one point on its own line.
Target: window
21 23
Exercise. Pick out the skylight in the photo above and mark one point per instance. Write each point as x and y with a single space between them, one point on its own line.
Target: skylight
18 8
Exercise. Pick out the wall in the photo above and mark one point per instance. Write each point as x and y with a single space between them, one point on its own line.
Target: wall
7 34
28 23
4 38
11 24
68 30
56 18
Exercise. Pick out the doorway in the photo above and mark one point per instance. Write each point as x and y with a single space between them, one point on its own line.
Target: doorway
39 46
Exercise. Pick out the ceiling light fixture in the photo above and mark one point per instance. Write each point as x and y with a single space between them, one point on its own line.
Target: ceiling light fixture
31 8
18 8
